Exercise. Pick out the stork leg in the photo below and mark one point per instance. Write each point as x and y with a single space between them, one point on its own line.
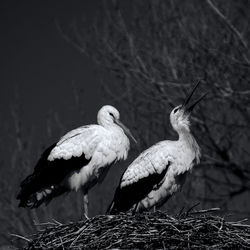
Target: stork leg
85 204
135 208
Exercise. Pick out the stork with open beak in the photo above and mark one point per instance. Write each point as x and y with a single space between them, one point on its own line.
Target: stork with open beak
79 160
158 172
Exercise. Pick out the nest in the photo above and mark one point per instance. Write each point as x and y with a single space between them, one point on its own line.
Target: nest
157 230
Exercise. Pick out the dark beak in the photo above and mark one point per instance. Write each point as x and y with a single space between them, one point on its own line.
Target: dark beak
190 108
125 129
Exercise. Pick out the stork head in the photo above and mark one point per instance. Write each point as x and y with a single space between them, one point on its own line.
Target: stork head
179 116
108 116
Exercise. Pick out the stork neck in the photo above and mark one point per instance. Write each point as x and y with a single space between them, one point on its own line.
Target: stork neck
106 122
111 126
186 137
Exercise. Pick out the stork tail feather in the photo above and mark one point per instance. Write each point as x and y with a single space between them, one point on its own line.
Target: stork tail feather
45 195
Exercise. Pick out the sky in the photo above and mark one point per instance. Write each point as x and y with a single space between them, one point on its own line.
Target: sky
40 66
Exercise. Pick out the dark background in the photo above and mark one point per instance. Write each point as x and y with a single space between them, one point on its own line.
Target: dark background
38 64
60 61
40 73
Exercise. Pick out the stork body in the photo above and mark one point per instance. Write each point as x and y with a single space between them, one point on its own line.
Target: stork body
80 159
159 171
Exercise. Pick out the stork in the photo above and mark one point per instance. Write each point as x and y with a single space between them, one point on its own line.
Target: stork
79 160
158 172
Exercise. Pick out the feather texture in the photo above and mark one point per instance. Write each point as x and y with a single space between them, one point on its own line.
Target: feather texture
155 175
48 174
159 171
80 159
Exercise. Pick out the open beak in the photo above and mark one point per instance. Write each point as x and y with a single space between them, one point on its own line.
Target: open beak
125 129
191 107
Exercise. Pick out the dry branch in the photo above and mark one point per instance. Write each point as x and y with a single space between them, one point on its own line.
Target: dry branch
229 24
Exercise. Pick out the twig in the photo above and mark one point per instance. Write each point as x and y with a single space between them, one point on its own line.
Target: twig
206 210
229 24
21 237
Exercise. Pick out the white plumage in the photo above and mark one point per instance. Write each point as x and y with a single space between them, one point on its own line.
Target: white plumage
103 145
159 171
80 159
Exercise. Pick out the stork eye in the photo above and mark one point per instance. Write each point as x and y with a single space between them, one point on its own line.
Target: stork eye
112 115
175 110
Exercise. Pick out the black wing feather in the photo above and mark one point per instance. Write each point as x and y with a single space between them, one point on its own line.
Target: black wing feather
47 173
125 198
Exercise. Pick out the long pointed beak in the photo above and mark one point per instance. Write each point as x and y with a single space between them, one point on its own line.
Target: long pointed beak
126 130
190 108
190 95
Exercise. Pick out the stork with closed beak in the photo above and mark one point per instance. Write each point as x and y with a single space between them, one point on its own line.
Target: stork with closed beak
80 159
158 172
